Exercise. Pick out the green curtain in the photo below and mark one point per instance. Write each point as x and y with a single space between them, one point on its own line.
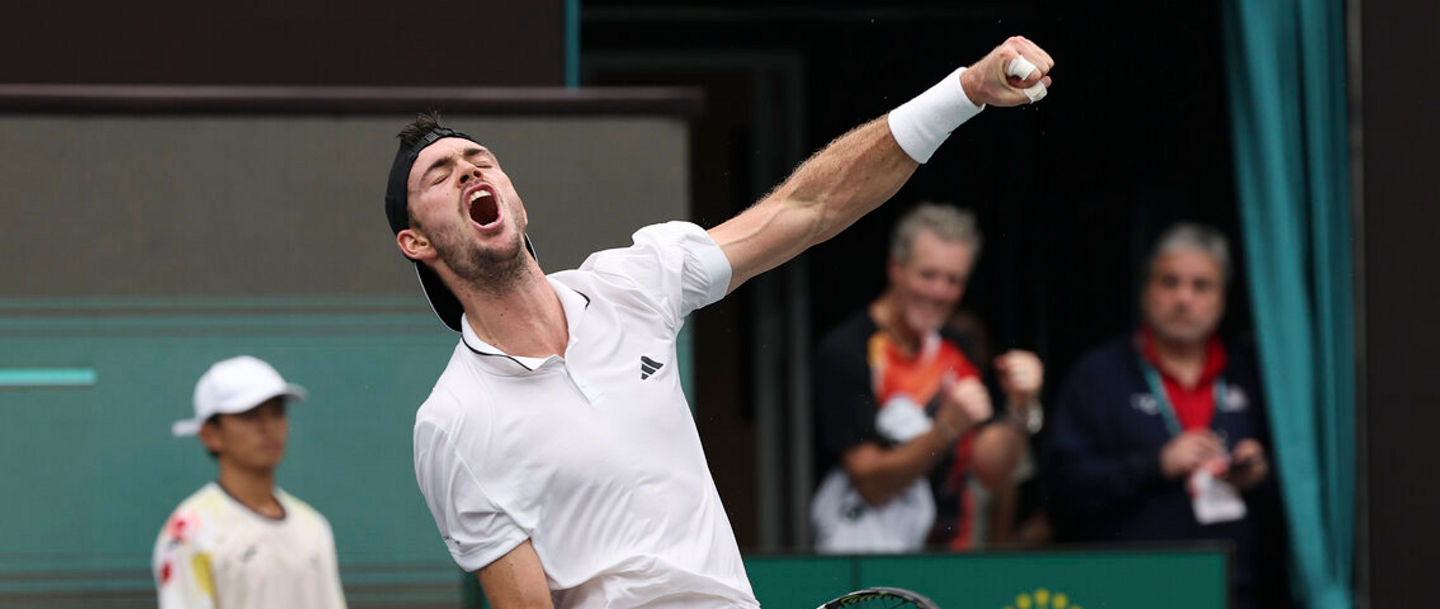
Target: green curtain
1287 94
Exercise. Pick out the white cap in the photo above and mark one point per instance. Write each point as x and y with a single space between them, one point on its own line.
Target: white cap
235 385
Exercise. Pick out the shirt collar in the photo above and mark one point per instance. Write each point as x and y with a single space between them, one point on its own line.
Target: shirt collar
574 305
1215 357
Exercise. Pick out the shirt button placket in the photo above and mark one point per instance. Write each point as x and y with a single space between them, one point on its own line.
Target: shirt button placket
579 384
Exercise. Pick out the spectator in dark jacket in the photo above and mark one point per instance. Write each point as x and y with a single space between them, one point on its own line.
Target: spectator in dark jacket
1160 435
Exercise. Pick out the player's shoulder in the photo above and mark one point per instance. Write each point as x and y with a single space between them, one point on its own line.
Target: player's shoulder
660 243
444 409
196 517
460 378
300 509
208 499
673 234
458 404
668 269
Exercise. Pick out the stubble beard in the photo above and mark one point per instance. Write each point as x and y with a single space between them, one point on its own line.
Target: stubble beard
487 271
1182 333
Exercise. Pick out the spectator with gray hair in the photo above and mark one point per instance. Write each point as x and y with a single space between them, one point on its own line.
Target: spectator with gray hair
904 418
1160 434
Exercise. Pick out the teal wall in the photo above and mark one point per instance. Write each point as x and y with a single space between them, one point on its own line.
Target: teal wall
92 470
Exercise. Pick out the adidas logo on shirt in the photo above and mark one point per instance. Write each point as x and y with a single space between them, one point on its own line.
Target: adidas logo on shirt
648 367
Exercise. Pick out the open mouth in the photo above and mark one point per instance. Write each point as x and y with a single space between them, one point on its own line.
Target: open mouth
484 210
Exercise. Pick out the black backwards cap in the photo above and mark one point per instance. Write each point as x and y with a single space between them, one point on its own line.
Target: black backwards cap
397 210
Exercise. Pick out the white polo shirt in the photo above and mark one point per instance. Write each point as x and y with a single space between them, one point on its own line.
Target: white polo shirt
593 455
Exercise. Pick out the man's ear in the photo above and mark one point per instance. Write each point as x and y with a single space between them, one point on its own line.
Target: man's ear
414 244
210 436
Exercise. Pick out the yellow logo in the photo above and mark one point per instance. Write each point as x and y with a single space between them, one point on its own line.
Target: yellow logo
1043 599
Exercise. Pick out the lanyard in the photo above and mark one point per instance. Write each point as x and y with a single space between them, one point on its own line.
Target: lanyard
1162 397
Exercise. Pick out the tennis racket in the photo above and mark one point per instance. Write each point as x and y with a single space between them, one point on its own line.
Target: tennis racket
881 598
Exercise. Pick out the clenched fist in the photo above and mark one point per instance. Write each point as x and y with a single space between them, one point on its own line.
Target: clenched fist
963 403
1021 375
991 80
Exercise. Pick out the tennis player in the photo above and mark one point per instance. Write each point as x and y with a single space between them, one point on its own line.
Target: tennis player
556 452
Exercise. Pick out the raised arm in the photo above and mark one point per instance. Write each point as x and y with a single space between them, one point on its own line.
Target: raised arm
863 168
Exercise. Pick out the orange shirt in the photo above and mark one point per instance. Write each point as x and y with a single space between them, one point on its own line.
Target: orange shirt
918 376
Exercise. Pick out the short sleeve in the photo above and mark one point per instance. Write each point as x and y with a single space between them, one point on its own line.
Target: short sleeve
334 589
676 264
183 577
476 531
845 402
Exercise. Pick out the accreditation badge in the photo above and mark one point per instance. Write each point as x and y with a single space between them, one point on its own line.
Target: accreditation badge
1214 500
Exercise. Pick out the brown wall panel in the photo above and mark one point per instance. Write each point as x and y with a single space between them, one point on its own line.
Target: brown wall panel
322 42
226 206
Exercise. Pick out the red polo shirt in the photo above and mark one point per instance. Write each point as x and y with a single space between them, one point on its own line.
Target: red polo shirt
1194 406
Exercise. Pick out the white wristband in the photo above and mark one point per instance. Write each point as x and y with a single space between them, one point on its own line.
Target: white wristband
922 124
